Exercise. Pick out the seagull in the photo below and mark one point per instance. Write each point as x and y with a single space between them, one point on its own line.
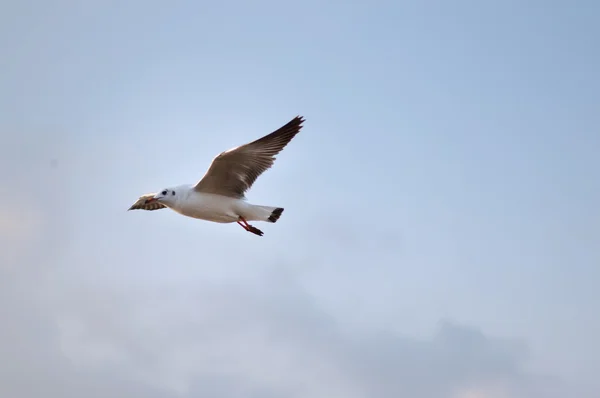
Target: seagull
220 195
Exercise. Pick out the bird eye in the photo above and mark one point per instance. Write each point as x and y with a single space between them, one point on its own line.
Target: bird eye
164 192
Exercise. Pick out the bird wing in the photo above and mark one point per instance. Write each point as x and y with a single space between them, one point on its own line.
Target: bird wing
233 172
144 204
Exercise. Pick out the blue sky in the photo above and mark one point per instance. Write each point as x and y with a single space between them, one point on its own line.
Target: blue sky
446 182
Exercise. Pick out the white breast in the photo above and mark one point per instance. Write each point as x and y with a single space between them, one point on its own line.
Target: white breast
210 207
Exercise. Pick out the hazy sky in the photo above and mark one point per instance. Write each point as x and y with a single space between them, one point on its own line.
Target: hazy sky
441 233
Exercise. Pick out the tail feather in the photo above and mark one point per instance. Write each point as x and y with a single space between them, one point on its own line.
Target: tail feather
275 214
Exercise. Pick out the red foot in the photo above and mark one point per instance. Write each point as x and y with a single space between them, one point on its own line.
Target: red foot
249 227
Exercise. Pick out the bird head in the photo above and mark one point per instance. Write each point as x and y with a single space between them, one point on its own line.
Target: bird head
165 196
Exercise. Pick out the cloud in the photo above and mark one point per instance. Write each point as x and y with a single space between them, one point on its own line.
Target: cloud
71 336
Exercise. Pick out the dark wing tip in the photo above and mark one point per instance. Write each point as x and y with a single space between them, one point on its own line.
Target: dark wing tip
282 136
297 121
294 124
291 128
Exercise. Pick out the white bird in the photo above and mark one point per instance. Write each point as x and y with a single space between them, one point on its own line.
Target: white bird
220 195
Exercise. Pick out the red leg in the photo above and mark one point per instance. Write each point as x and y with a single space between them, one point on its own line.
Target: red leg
249 227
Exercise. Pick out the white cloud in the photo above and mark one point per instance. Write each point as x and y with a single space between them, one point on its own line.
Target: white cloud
231 340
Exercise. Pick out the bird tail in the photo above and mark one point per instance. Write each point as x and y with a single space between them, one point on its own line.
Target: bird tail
264 213
275 214
261 213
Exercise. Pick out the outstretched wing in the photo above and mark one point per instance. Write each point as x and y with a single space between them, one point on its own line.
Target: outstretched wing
234 171
144 204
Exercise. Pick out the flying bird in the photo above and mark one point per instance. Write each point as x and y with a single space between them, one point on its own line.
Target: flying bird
220 195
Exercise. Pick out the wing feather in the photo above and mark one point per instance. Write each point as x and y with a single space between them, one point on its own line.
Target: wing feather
143 204
233 172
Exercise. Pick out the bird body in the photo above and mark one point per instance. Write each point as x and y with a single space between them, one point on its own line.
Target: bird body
213 207
220 195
